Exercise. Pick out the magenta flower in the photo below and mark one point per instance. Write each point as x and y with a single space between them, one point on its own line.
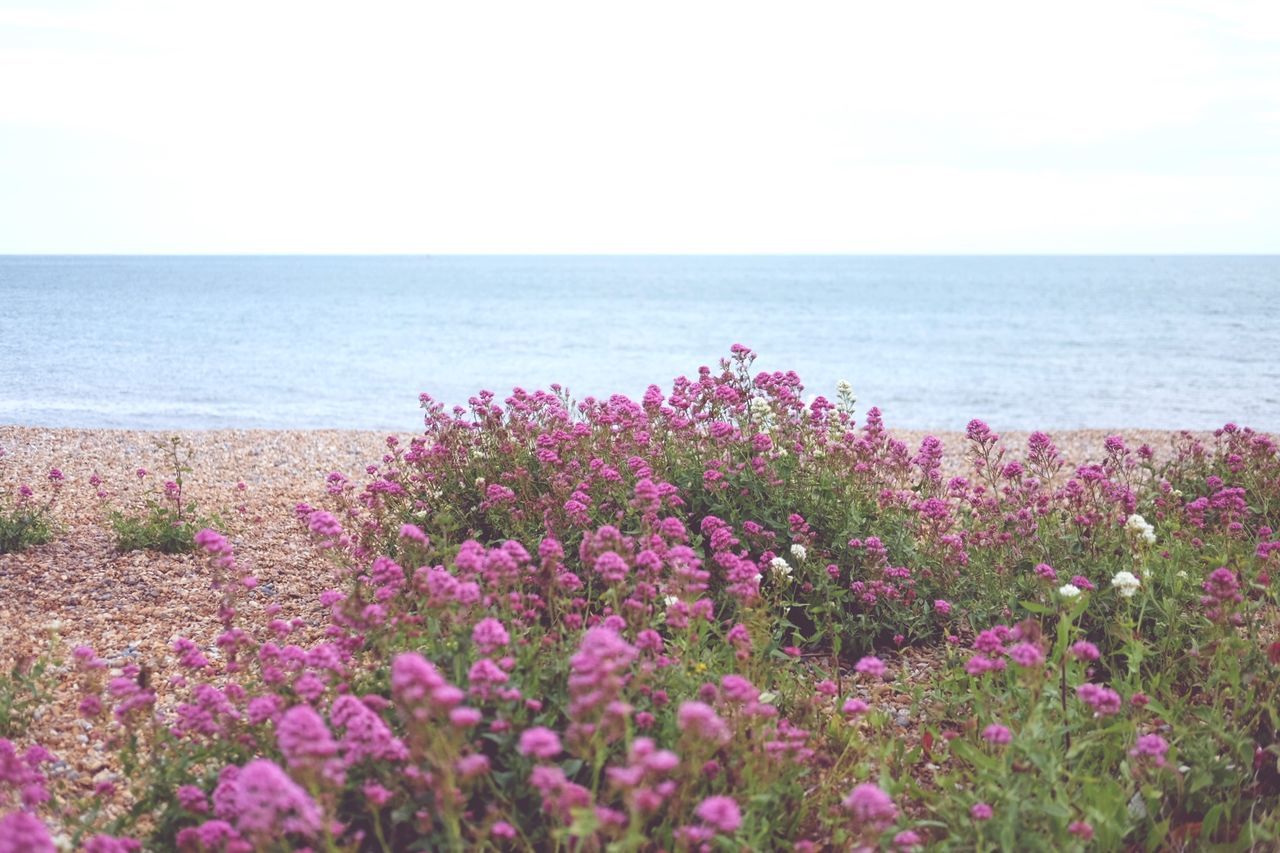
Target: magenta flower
464 717
269 803
942 606
872 666
539 742
304 739
1103 700
854 707
981 811
367 736
418 686
908 840
489 635
597 670
1026 654
702 721
997 734
1083 583
413 533
722 813
193 799
1152 746
22 832
1085 650
871 806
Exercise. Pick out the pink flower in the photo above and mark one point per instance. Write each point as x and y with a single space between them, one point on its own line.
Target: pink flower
471 766
1084 650
1103 700
871 806
854 707
1081 830
1026 654
539 742
418 687
303 737
981 811
701 720
871 665
997 734
1082 583
413 533
942 606
597 670
193 799
489 635
367 736
1153 746
464 717
721 813
738 689
907 840
22 832
269 803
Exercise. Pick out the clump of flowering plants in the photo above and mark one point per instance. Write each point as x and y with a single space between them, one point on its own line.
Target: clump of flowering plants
689 623
25 518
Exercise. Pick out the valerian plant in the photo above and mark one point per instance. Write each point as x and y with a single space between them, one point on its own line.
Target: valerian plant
725 617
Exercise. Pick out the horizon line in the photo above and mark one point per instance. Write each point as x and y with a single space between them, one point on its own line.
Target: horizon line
504 254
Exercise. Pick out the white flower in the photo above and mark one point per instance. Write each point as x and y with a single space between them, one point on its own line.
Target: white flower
1138 525
780 567
759 406
670 600
1125 583
1068 590
844 388
1182 574
798 551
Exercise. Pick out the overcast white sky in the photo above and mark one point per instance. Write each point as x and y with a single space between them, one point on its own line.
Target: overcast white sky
689 126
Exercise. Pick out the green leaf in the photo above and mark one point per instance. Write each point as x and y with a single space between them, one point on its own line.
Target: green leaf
1209 825
1054 809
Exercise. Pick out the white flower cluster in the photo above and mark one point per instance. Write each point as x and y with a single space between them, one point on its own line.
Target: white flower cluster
759 406
780 567
798 551
1126 583
1069 590
1139 527
845 397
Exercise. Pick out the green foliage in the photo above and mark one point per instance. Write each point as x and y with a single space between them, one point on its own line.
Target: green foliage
22 691
159 528
22 526
168 521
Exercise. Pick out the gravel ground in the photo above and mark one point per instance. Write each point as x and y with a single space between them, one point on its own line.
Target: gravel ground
76 589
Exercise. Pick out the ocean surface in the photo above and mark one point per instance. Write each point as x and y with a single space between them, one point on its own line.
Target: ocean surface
350 342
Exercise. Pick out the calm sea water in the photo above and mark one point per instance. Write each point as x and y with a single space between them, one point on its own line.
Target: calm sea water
1023 342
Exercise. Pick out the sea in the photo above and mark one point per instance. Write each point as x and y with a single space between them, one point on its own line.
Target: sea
1023 342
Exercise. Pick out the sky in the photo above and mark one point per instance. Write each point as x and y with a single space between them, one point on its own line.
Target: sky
695 126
